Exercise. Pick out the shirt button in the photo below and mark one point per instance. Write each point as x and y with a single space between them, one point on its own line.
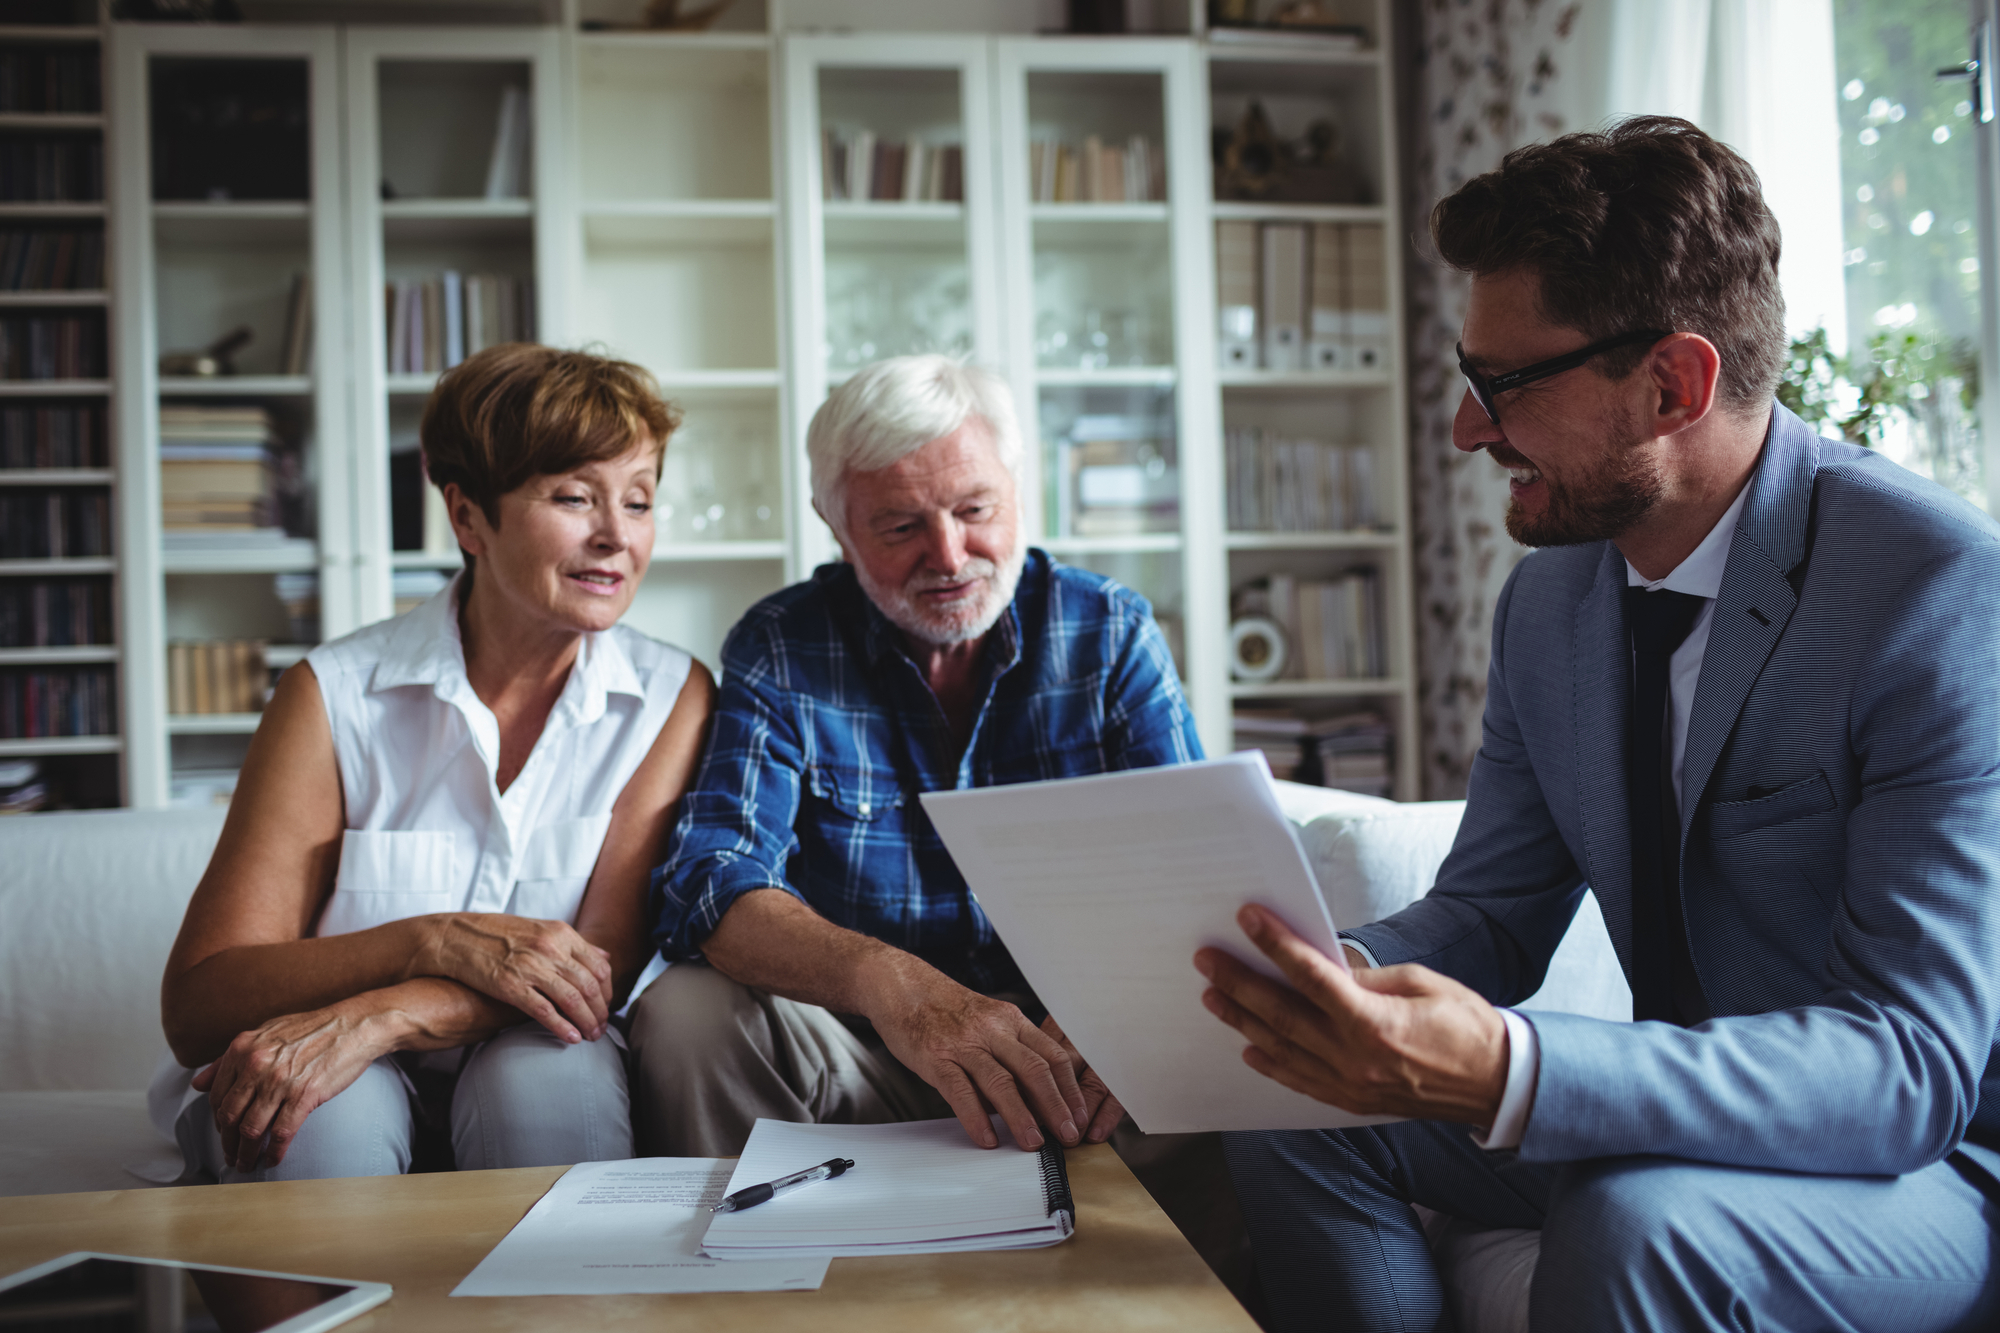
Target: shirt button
865 807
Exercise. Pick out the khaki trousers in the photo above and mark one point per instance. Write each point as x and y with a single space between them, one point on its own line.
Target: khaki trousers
712 1055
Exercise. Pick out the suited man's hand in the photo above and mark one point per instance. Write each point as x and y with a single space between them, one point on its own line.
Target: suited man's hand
1384 1041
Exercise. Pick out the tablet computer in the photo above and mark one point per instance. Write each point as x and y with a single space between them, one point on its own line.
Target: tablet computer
166 1294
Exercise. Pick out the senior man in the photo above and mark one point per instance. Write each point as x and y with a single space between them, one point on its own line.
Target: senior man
1750 699
845 972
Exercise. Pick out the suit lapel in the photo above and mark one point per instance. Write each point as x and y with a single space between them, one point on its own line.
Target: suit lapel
1756 601
1600 681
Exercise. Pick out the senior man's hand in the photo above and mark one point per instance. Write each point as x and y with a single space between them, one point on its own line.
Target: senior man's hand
984 1056
1101 1110
1402 1041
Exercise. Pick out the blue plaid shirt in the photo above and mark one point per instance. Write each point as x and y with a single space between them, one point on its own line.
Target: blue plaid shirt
825 732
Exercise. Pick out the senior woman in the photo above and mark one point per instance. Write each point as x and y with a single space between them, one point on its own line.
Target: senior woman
427 901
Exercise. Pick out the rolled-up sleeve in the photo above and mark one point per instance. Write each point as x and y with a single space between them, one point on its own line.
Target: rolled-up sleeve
1147 722
735 832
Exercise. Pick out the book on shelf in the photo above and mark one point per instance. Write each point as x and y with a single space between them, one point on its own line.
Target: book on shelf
1332 625
1293 296
54 524
859 165
1277 483
51 259
50 80
295 357
434 323
1114 477
507 166
52 347
1096 172
55 613
57 701
1352 751
51 170
218 472
61 435
1305 37
217 676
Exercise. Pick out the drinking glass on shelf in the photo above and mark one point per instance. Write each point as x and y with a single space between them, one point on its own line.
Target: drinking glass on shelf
1095 350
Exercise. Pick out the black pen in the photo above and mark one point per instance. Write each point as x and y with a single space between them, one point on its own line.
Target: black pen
756 1194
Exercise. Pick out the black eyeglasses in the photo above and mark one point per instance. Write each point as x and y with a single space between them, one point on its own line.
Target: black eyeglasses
1486 388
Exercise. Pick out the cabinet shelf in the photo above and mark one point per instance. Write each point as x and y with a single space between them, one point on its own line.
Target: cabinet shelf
1135 544
80 653
76 564
51 120
212 724
53 388
60 745
1311 541
56 476
1236 210
862 224
1110 376
1318 689
1307 379
54 298
420 220
665 223
420 383
235 386
1099 213
70 33
447 562
284 560
621 40
32 209
680 381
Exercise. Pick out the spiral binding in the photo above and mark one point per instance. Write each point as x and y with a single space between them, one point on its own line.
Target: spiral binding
1055 1185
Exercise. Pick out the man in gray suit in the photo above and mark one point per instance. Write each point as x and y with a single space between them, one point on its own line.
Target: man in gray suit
1751 700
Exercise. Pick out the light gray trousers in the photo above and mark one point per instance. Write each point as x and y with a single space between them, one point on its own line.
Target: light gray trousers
712 1055
522 1099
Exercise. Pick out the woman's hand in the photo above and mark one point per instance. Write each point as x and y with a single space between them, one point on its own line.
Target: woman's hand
272 1077
543 968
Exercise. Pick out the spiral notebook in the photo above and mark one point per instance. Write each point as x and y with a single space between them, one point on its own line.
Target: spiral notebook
916 1188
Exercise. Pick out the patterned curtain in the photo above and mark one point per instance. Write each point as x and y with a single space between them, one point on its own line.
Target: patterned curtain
1478 78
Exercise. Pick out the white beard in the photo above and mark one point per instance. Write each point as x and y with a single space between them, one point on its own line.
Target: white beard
968 618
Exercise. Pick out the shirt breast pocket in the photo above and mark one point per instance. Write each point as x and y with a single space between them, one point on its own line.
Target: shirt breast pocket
854 796
389 876
554 871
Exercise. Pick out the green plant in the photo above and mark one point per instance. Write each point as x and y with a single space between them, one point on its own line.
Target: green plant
1894 374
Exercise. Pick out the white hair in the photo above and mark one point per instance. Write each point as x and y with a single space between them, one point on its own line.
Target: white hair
890 409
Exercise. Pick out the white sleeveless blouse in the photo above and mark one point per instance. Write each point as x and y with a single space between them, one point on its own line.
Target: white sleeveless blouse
428 829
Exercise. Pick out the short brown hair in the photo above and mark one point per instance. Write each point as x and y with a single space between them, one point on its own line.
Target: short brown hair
1649 224
517 411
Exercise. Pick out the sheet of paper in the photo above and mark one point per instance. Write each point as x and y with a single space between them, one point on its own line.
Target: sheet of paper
917 1187
628 1228
1103 888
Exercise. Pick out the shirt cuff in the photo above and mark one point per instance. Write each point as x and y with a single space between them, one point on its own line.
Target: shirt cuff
1361 949
1524 1061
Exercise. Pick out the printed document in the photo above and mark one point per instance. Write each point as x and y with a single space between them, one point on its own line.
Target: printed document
628 1228
1103 887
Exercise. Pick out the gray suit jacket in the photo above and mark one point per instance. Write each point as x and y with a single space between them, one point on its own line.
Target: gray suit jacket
1840 834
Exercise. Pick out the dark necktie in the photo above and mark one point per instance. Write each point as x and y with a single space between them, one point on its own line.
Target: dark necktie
1663 977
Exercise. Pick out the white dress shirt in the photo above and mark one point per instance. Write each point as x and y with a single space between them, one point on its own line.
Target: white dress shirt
1700 575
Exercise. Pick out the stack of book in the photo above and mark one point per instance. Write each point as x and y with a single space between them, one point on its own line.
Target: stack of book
65 436
217 676
72 701
51 259
1281 484
54 613
52 347
1333 626
23 789
216 469
64 170
1115 477
54 524
58 79
435 323
855 165
1352 752
299 594
1095 172
1295 296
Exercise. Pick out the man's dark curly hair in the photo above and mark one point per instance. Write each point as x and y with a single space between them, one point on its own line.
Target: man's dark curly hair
1649 224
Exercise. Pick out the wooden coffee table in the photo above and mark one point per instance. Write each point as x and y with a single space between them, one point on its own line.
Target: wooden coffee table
1127 1267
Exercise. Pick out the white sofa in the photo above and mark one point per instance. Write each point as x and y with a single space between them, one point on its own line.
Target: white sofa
90 903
